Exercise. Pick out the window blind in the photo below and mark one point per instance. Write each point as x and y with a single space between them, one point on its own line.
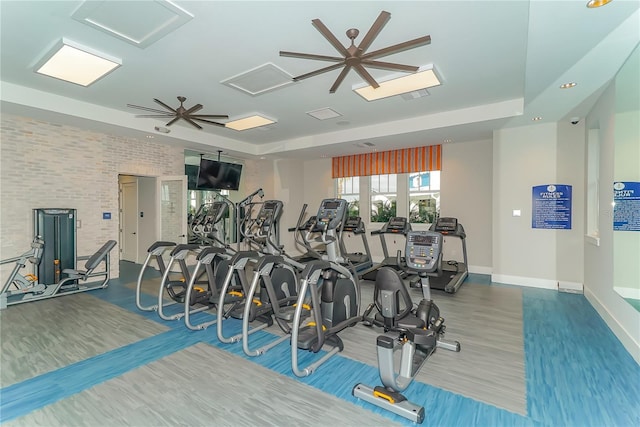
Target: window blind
406 160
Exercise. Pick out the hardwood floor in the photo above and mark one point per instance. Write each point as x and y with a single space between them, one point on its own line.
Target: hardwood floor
529 357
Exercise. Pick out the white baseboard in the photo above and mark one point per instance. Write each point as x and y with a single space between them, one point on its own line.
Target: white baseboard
632 346
478 269
572 287
632 293
525 281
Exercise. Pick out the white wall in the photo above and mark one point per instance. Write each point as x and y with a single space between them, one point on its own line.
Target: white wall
599 275
466 194
48 165
570 169
522 158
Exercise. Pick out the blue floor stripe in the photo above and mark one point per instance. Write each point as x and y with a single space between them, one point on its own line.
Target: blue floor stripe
24 397
578 373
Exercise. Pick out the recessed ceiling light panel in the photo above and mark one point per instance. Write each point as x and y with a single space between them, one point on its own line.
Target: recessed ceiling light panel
77 64
250 122
423 79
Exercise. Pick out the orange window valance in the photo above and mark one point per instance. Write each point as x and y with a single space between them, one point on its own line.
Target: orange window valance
419 159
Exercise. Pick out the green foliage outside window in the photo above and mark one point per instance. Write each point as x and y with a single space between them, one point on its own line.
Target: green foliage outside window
383 211
354 208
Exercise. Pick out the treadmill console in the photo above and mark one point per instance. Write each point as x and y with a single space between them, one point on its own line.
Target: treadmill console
331 213
353 224
397 224
423 250
448 226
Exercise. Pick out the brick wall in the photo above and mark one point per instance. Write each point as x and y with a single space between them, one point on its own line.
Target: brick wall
44 165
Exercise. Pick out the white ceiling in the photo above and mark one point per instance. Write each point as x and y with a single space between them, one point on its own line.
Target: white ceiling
500 62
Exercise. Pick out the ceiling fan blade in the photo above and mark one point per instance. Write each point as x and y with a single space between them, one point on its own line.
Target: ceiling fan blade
373 32
365 75
164 105
340 78
155 116
193 109
390 66
330 37
310 56
318 72
209 116
175 119
420 41
208 121
192 122
153 110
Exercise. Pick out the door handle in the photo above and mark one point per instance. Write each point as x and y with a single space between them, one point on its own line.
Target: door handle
133 232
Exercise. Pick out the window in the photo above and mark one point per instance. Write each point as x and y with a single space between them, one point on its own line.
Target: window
593 178
424 197
349 189
384 197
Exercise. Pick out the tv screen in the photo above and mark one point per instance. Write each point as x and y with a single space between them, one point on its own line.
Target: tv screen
216 175
192 176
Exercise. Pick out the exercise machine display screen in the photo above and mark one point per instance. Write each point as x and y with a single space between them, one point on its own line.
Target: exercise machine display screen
423 250
332 212
420 239
270 212
331 205
446 225
397 224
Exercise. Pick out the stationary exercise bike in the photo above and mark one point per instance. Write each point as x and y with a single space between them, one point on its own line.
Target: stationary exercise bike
414 336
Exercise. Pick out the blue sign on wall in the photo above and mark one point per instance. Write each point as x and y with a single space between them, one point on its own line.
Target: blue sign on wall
626 209
551 207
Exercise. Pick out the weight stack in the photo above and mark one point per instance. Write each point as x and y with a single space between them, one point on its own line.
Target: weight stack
57 227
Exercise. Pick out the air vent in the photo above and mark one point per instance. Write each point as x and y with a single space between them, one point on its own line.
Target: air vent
415 94
365 144
260 80
140 23
324 113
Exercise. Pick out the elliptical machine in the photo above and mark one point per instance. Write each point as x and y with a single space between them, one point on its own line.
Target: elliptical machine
414 337
333 291
271 289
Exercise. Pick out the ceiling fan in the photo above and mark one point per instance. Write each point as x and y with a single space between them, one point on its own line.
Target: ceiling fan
355 56
180 113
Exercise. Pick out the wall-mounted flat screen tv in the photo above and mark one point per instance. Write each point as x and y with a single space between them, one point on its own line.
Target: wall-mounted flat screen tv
214 175
192 176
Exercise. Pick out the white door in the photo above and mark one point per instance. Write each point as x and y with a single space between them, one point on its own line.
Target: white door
171 193
129 222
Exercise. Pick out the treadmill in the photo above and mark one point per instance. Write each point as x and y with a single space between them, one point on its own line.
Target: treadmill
453 273
360 261
396 225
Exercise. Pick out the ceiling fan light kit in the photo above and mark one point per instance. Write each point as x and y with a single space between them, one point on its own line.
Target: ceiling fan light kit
356 57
